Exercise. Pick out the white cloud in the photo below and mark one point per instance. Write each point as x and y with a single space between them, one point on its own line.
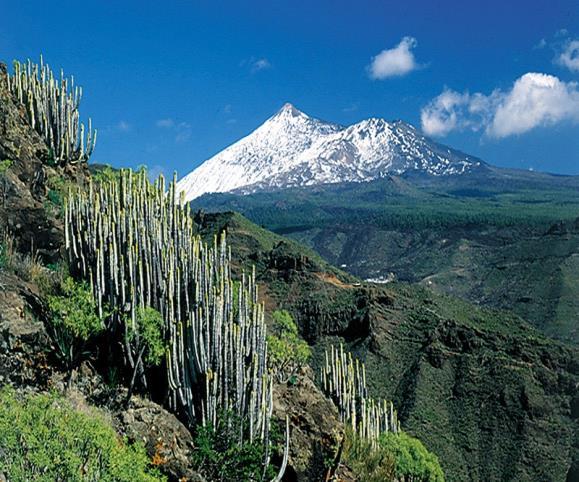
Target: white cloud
394 62
534 100
165 123
444 113
569 57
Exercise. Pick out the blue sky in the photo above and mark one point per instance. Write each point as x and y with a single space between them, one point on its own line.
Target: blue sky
169 84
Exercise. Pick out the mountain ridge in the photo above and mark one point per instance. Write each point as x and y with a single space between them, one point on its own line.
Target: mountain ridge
292 149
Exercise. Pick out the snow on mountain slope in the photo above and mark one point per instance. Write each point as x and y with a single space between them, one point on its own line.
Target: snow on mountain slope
292 149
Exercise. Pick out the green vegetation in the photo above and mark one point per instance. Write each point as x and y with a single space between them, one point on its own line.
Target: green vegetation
73 320
396 457
288 353
103 174
219 456
399 204
146 340
368 462
4 166
58 189
413 462
42 438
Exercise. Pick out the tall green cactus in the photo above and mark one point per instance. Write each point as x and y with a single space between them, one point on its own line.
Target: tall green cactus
52 109
344 380
137 244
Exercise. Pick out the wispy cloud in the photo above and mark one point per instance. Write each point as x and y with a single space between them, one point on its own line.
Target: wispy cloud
256 64
181 130
394 62
260 64
184 132
351 108
569 56
165 123
535 100
123 126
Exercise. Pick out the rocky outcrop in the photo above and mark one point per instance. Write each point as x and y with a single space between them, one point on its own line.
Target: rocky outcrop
168 442
314 427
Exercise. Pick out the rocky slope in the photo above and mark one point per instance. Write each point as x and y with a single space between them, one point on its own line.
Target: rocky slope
293 149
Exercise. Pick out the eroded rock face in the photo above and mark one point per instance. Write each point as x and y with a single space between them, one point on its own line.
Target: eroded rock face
314 427
24 343
166 439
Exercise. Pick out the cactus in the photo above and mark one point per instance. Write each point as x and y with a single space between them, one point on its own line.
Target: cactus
52 106
344 380
137 245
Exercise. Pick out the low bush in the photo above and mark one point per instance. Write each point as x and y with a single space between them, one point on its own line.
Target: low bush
397 457
413 461
42 438
73 320
219 457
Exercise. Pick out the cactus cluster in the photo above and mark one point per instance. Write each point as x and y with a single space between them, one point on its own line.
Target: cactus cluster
137 244
344 380
52 109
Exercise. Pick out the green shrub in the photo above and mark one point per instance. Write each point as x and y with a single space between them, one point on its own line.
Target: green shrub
105 175
42 438
58 188
73 320
369 464
145 340
219 456
286 350
397 457
413 461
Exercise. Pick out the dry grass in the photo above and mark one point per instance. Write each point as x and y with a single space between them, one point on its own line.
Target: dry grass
27 266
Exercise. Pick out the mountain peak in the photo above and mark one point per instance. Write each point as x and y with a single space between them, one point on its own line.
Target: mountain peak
293 149
290 110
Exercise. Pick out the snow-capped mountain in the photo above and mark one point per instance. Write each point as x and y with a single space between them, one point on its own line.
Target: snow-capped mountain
292 149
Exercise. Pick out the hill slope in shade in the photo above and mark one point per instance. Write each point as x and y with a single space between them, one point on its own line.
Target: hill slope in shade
490 395
293 149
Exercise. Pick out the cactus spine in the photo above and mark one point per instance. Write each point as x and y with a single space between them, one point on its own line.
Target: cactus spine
51 106
136 242
344 380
